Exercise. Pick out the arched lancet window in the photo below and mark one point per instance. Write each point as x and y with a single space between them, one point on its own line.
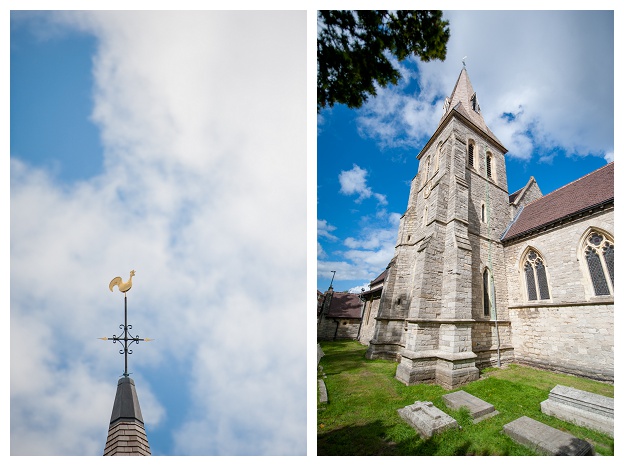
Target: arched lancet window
471 148
535 276
599 252
425 216
428 168
425 171
488 164
483 212
436 166
486 293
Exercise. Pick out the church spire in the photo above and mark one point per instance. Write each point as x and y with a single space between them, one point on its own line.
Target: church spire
126 432
464 100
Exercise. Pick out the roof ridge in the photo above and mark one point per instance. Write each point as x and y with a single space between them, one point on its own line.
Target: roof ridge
570 183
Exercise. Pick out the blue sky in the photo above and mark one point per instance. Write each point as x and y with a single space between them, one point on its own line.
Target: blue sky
545 86
174 144
165 143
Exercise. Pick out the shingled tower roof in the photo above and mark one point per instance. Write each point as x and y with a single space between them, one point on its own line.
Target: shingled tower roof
126 433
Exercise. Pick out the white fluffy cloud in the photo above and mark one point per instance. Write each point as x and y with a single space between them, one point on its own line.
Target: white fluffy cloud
354 182
202 118
553 70
323 230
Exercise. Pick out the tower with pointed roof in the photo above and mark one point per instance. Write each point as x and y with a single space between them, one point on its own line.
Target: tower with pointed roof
443 311
126 431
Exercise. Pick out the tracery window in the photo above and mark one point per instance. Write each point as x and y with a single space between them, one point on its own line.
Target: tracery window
599 252
535 277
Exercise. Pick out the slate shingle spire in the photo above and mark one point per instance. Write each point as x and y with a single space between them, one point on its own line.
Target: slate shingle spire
126 432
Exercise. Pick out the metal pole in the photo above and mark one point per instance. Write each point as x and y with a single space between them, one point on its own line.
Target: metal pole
126 334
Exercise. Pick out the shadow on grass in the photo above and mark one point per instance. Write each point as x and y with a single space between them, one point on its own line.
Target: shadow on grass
341 359
371 440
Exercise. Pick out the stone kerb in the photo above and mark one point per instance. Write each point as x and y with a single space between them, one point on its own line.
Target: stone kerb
581 408
479 409
545 439
427 419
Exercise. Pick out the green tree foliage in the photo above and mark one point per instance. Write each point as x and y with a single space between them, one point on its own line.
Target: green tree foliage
353 50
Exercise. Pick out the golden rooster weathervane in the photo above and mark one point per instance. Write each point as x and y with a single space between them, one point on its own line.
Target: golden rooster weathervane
126 336
123 287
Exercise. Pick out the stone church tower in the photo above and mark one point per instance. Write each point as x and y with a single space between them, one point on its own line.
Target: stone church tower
443 311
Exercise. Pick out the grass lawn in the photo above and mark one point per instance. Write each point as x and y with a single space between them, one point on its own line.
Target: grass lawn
361 417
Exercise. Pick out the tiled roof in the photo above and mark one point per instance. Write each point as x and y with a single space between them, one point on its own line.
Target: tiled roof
512 197
345 305
591 190
380 278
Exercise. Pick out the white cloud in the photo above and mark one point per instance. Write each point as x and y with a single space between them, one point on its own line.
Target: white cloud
368 254
323 230
553 68
358 289
354 182
203 193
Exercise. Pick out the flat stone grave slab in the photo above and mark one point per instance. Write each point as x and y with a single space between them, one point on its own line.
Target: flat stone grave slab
427 419
545 439
479 409
581 408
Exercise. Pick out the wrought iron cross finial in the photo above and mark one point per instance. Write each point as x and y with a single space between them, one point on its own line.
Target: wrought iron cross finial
126 337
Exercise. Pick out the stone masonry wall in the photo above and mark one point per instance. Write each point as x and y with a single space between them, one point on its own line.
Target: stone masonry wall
567 275
572 339
347 329
368 322
530 195
573 330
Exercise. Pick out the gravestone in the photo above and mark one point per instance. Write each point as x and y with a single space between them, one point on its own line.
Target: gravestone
319 353
479 409
426 418
545 439
322 391
581 408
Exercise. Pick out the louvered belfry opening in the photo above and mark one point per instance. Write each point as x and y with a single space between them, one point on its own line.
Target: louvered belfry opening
126 432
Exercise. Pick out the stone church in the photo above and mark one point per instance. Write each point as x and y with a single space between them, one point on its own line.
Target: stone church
481 277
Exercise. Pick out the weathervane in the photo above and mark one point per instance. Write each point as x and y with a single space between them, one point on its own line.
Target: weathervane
126 336
464 61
